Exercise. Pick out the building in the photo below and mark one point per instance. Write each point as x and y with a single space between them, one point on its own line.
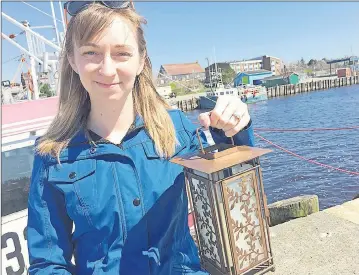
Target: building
265 62
253 64
344 72
272 64
352 62
354 65
278 80
164 91
180 72
251 77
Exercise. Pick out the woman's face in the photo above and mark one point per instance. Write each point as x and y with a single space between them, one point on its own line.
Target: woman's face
109 64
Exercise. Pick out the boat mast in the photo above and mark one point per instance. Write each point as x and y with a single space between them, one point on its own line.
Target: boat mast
36 49
62 16
219 81
21 26
55 24
209 73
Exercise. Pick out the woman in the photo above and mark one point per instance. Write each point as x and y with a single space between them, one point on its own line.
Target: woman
103 189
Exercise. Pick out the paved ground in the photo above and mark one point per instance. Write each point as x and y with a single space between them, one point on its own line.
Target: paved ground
324 243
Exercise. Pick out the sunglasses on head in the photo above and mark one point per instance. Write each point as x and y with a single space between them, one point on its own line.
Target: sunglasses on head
74 7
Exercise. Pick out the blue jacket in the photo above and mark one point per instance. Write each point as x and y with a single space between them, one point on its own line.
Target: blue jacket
117 209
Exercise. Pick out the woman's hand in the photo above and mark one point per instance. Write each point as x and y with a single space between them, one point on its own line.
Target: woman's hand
230 114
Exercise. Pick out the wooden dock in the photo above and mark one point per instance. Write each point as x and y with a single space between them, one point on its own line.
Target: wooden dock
324 84
187 104
284 90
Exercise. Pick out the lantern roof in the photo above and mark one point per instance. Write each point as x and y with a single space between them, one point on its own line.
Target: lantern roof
236 155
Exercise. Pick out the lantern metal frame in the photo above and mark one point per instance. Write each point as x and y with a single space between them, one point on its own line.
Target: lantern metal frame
213 176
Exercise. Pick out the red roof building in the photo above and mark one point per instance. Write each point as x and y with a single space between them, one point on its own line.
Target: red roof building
180 72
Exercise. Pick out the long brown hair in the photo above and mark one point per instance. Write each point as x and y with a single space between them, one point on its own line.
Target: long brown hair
74 102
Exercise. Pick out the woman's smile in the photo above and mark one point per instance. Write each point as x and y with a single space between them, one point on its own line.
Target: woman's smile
108 86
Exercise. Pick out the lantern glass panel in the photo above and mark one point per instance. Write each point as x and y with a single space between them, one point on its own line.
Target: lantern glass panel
228 172
247 236
199 173
207 226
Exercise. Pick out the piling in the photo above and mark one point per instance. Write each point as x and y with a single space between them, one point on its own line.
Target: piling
284 90
187 104
324 84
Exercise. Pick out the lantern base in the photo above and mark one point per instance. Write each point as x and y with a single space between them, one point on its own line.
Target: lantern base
260 269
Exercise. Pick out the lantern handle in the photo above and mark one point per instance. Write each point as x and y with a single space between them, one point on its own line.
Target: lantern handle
200 142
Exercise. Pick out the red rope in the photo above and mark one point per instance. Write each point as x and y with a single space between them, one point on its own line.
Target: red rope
306 159
304 129
300 129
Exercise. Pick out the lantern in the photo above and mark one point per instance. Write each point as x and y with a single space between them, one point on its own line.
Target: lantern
231 215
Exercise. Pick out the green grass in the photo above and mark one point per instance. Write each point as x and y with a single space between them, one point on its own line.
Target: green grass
180 91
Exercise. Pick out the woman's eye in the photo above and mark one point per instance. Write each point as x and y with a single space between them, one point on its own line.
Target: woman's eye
89 53
124 54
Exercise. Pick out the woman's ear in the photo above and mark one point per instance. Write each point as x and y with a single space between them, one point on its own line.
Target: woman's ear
72 63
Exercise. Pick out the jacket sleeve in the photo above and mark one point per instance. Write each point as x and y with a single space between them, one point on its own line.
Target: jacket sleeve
49 228
244 137
190 129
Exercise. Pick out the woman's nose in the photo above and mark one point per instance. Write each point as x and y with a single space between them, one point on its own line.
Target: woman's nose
108 66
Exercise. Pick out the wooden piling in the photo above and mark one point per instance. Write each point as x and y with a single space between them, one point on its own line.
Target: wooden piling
290 89
284 90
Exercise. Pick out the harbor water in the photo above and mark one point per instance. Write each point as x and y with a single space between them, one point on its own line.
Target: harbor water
286 176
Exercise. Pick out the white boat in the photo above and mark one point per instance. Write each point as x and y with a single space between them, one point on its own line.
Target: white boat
22 123
252 93
248 94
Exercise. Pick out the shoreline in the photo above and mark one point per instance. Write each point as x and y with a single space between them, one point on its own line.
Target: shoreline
191 101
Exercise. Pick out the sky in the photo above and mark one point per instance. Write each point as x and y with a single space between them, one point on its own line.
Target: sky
184 32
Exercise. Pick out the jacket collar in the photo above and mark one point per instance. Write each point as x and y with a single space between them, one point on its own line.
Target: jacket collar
80 147
81 138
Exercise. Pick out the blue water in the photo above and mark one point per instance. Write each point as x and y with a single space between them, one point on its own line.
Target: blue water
286 176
